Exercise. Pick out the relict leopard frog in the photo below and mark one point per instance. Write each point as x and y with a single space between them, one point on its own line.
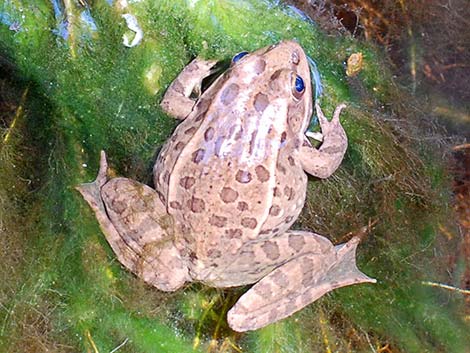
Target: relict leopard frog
229 184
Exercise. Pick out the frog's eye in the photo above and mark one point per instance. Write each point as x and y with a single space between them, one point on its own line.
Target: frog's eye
298 88
239 56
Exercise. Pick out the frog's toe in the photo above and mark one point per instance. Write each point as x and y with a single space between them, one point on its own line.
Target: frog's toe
294 285
91 191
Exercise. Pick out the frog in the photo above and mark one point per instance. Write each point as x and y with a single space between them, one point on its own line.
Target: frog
228 185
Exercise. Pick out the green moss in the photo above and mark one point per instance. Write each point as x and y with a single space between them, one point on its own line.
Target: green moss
62 287
285 336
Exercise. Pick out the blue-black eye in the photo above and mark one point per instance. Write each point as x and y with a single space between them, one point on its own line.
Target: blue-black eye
239 56
299 84
299 87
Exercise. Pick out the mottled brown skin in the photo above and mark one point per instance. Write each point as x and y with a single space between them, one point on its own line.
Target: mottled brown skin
230 182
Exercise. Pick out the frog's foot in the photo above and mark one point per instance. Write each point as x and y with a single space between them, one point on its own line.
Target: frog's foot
324 161
136 225
296 284
177 101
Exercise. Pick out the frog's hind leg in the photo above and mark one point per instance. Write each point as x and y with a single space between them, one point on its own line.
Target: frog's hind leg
295 284
136 225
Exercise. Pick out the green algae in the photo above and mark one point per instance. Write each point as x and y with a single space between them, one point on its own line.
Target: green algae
63 289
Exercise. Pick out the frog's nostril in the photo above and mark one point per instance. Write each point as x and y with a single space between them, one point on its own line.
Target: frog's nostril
295 58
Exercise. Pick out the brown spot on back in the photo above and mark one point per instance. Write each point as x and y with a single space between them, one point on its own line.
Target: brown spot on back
281 168
243 176
229 93
271 249
196 205
249 222
274 210
187 182
252 141
198 155
176 205
218 221
177 86
281 279
277 192
291 160
202 105
264 290
273 315
275 75
283 137
199 117
259 67
209 134
228 195
214 253
166 177
234 233
262 173
190 131
289 192
308 277
296 241
242 206
261 102
179 146
118 206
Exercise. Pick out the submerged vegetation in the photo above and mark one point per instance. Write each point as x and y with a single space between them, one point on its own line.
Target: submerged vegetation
70 88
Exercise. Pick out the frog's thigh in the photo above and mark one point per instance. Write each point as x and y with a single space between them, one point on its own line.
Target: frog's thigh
176 101
297 283
145 229
149 253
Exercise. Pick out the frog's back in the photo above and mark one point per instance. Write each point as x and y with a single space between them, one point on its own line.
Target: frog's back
219 171
228 173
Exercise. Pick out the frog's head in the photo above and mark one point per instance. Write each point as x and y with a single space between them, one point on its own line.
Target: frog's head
281 74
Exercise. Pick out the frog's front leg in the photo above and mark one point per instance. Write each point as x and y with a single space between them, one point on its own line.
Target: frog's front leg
177 101
315 267
324 161
138 228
